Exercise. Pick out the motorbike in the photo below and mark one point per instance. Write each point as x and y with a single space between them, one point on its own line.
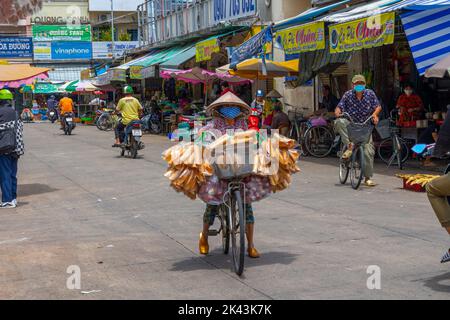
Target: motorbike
27 115
52 116
69 124
187 123
132 140
152 123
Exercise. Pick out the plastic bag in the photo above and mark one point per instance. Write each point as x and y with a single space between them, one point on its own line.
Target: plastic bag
213 190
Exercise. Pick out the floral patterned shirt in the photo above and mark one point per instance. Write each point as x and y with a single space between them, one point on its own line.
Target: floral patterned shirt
359 110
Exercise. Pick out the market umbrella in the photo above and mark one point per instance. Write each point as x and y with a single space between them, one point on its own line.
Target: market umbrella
253 69
16 75
85 86
198 75
440 70
68 86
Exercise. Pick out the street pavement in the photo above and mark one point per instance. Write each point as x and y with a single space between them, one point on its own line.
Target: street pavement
133 237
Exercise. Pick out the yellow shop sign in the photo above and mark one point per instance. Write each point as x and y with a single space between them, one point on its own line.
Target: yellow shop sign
307 37
364 33
205 49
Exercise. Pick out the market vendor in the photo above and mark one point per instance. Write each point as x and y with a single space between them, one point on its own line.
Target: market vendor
228 112
410 105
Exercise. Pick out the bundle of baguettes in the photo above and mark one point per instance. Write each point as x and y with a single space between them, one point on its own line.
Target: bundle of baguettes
187 168
189 162
277 159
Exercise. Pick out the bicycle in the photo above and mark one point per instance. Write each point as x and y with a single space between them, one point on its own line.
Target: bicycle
298 129
393 148
231 213
359 134
319 139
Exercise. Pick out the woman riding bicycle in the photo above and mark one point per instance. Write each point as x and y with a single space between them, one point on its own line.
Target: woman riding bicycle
360 103
229 113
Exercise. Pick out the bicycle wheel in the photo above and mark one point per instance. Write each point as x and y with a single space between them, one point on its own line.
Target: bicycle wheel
319 141
103 122
225 229
386 151
356 167
343 166
236 222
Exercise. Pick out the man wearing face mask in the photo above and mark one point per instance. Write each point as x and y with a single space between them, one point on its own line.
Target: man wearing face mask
409 104
360 103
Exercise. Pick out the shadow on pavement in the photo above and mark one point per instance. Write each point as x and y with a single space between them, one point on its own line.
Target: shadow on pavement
25 190
436 285
220 260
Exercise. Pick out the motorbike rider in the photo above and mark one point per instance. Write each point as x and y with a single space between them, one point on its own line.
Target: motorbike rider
52 103
131 110
65 107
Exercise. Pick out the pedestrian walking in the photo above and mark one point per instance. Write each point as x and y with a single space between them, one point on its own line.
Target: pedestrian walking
11 148
438 190
360 103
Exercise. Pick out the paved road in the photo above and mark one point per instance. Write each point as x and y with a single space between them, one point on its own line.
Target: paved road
135 238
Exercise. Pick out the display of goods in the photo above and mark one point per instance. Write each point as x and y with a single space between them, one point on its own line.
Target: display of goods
263 170
416 182
187 171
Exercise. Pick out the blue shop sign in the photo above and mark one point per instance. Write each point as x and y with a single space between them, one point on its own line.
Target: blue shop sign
16 47
225 10
71 50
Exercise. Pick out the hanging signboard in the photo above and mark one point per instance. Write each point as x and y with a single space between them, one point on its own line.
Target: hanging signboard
307 37
16 47
364 33
62 33
118 75
205 49
135 72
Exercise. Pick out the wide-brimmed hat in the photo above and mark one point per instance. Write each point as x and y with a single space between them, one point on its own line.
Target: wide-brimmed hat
274 94
228 99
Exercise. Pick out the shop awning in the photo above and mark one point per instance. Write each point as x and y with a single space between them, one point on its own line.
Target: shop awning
306 16
428 33
179 59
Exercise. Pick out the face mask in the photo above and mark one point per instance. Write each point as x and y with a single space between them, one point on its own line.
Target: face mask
360 88
408 92
230 112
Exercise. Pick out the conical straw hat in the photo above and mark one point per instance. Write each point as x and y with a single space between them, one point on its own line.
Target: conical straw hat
274 94
229 99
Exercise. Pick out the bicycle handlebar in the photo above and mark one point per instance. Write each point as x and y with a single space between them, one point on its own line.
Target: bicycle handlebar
351 119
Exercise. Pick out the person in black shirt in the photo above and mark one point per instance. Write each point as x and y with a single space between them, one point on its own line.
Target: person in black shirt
329 100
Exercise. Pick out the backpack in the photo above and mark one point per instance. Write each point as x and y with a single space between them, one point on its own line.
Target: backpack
8 142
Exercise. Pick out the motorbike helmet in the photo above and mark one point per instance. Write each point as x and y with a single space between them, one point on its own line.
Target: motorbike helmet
259 93
128 89
5 94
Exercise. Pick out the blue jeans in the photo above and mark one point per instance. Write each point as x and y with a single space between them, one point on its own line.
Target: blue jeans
8 177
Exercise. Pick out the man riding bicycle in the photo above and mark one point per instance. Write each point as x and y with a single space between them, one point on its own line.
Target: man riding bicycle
360 103
131 110
65 106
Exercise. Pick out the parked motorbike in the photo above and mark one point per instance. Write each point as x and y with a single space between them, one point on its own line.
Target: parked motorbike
52 115
69 124
27 115
132 142
152 123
